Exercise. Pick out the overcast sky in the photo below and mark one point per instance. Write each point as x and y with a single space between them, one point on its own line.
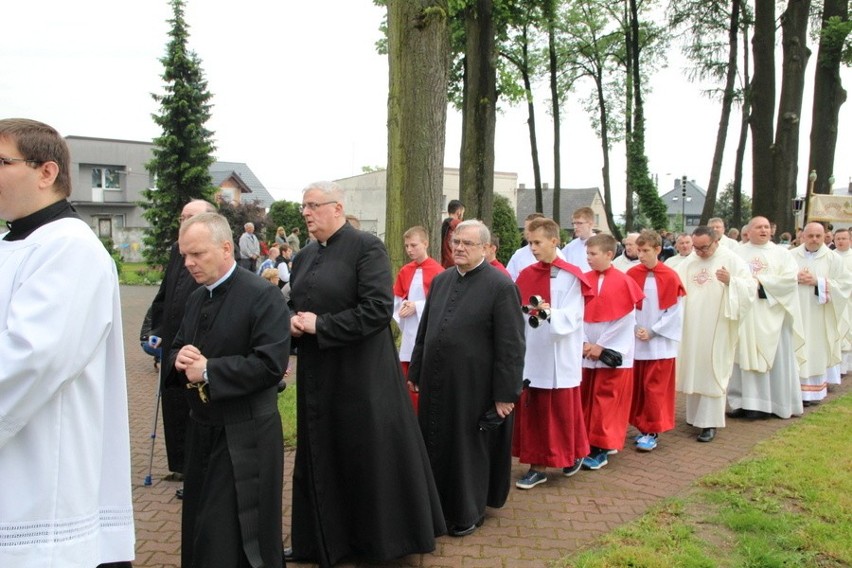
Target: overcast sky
300 93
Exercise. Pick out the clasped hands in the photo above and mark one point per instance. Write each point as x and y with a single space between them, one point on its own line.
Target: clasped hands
805 278
592 351
302 323
190 360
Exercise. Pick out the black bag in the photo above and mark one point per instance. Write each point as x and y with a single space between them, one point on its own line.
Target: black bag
610 358
490 420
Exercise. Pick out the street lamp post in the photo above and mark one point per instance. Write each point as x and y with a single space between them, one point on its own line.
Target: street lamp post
683 199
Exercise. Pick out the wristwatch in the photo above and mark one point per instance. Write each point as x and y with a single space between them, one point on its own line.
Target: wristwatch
204 375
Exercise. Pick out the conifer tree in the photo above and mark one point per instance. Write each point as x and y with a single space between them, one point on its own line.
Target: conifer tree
183 152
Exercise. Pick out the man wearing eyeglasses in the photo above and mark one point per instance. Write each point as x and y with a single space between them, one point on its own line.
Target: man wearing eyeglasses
361 484
719 292
468 364
65 496
583 222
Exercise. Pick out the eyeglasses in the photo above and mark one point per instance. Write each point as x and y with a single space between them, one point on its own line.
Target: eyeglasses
704 248
313 206
465 244
10 161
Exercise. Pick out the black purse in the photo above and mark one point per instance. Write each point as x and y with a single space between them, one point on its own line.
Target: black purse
490 420
610 358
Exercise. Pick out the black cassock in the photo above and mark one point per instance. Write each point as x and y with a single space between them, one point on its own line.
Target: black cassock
468 354
362 484
234 448
166 315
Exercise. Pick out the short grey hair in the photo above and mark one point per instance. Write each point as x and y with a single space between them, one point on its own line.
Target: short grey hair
220 230
249 224
333 190
484 233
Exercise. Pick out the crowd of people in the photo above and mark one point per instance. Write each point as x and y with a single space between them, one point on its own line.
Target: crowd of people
550 359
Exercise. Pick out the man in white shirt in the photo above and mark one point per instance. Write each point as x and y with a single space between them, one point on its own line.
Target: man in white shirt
583 221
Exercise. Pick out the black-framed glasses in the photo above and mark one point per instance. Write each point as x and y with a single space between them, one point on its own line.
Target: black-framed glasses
313 206
704 248
10 161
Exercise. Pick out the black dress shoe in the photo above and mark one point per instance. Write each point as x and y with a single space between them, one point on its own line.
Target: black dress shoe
464 531
179 493
756 415
738 413
707 435
288 554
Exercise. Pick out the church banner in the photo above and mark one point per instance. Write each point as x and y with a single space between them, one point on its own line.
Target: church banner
831 208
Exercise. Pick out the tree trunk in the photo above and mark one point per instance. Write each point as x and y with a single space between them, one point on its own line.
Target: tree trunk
419 63
763 108
628 120
525 73
476 179
794 32
605 149
554 105
724 120
829 96
744 123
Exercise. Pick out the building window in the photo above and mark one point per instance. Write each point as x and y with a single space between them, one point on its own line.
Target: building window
106 177
226 195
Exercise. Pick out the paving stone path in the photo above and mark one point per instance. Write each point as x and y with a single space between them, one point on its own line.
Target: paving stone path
533 529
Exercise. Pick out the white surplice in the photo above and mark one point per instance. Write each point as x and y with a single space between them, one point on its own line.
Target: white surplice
771 346
575 253
666 325
408 326
65 489
623 263
675 261
554 349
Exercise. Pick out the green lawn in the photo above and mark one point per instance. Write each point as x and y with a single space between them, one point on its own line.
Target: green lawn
287 408
139 273
789 504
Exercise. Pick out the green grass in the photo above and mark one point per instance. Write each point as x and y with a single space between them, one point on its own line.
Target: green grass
287 408
787 505
139 273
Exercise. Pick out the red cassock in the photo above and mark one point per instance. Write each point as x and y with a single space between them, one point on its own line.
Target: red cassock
607 392
549 425
653 406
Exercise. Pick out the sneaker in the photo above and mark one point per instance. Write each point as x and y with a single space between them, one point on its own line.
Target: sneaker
595 461
531 479
646 443
569 471
611 452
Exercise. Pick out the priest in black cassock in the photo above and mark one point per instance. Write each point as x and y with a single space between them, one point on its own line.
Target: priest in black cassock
166 316
232 347
468 364
362 486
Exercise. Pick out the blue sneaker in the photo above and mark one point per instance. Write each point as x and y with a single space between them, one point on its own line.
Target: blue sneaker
646 443
595 461
531 479
569 471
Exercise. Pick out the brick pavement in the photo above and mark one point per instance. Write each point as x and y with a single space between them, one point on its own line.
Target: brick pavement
534 528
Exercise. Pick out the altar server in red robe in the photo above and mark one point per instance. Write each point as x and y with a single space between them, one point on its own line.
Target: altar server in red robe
609 323
410 291
659 323
549 426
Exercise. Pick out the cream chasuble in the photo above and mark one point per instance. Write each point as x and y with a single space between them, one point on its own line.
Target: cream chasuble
712 312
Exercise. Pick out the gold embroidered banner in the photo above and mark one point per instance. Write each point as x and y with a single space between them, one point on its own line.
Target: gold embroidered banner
830 208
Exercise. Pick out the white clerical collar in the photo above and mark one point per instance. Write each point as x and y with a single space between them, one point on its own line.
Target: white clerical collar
211 287
472 269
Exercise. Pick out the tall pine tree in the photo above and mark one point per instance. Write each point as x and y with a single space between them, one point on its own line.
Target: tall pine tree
183 152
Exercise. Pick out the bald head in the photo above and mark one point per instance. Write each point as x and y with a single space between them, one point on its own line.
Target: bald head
758 230
813 236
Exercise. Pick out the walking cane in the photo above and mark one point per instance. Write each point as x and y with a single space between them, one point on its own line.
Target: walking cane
154 342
